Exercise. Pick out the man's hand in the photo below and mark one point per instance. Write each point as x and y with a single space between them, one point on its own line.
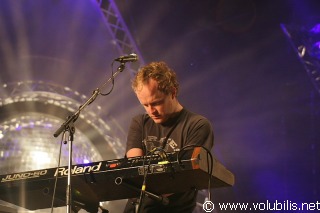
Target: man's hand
134 152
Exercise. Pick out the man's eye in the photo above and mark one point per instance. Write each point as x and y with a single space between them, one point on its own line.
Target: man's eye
156 103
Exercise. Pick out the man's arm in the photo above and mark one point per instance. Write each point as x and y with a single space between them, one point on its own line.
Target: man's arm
134 145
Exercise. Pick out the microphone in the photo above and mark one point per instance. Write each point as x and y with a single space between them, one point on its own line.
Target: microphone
127 58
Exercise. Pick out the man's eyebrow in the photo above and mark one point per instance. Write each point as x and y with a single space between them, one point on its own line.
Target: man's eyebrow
154 102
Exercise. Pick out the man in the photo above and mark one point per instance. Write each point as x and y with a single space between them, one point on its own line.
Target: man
166 125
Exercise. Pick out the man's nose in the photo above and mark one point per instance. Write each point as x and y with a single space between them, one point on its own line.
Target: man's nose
151 109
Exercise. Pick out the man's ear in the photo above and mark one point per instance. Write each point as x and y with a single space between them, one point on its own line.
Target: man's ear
173 93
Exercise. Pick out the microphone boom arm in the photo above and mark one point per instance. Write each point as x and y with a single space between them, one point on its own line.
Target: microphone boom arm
93 97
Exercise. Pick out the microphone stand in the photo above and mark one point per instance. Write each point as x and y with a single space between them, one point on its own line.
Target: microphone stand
68 126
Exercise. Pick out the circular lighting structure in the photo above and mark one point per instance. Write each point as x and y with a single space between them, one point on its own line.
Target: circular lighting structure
30 112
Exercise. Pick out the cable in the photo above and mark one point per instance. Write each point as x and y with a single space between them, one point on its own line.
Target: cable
209 169
143 186
112 80
145 171
56 178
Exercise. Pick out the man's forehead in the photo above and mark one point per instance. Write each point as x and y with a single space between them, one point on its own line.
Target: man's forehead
147 86
149 94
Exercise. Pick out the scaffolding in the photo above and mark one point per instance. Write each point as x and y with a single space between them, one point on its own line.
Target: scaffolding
301 40
119 32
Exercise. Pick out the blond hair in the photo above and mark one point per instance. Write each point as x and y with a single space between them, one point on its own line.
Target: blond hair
160 72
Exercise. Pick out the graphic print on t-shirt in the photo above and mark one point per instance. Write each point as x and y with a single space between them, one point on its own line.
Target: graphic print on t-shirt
152 142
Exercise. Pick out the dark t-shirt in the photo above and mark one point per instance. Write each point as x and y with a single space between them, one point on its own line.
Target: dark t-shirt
186 128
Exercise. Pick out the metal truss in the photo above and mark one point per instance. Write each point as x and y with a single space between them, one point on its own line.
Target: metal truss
300 41
119 32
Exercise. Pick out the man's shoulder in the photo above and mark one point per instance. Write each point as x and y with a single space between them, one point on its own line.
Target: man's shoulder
140 118
193 115
195 119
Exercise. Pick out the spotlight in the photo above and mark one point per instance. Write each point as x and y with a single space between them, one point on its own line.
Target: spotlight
315 29
301 51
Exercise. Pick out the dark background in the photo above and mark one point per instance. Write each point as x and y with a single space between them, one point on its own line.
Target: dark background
234 63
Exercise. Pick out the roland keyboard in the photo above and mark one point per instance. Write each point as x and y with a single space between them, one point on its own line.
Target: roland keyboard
114 179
